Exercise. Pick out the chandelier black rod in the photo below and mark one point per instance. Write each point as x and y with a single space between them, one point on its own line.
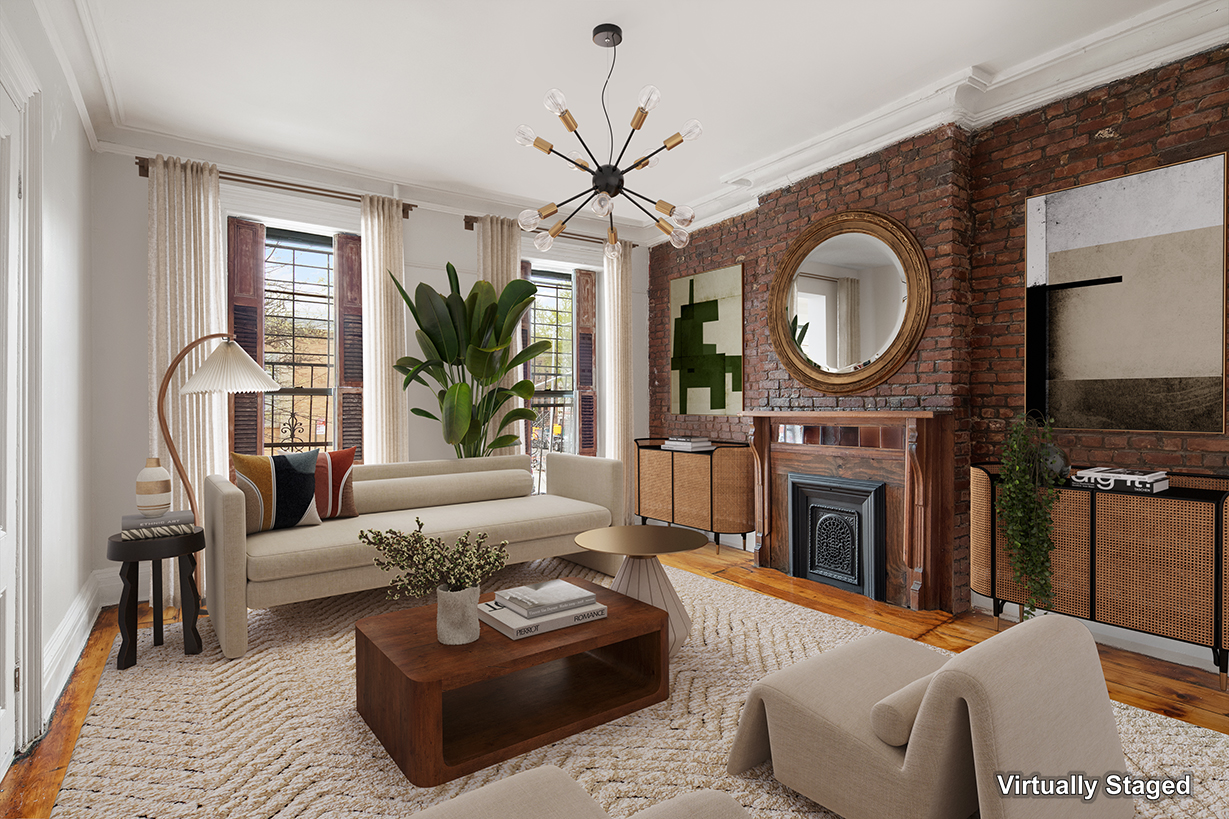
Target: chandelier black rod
637 204
625 144
567 158
586 147
592 191
645 159
581 205
641 195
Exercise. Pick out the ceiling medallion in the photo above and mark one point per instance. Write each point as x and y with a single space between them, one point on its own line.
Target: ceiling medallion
607 179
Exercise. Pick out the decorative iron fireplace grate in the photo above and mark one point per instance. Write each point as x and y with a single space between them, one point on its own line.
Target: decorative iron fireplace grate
838 532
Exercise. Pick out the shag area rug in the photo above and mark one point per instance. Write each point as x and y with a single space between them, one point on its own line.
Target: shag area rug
276 733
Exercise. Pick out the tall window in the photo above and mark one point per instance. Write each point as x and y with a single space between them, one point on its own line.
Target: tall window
296 307
300 341
552 373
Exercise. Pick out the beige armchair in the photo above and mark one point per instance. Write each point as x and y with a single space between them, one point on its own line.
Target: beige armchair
549 793
887 727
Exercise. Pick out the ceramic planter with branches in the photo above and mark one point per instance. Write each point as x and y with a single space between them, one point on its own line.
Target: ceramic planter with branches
1031 471
467 350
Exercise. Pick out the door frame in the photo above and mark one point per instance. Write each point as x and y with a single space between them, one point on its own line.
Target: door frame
18 80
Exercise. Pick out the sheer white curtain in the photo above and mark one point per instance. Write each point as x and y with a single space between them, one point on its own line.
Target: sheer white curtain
386 413
848 322
619 431
186 300
499 262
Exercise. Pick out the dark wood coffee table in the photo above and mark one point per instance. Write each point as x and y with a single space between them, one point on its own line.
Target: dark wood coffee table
445 711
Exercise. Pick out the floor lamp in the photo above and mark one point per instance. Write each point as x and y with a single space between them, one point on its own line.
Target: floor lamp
228 369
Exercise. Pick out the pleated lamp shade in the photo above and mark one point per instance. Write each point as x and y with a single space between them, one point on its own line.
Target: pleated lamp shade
230 369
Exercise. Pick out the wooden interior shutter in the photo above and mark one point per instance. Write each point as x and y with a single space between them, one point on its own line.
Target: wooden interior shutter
348 273
245 244
586 352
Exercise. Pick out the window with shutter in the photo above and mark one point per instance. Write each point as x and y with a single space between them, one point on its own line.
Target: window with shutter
296 307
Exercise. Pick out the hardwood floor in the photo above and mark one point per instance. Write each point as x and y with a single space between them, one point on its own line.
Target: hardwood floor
29 789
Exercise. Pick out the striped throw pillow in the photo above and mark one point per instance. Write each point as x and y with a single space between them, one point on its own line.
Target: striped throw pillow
280 490
335 484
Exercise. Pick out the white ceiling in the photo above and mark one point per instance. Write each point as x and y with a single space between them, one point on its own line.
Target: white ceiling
426 95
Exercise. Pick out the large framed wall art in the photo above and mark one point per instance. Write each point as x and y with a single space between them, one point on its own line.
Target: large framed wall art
1125 308
706 343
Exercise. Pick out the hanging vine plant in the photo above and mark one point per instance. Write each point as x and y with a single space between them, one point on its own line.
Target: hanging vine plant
1033 467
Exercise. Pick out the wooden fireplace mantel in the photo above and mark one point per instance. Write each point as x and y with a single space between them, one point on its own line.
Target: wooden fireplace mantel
911 451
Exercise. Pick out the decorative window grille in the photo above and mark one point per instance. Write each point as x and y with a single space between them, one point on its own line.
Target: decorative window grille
299 341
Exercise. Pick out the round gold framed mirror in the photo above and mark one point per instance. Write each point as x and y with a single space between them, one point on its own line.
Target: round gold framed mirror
849 302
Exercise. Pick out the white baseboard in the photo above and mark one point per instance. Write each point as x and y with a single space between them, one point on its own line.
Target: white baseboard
62 651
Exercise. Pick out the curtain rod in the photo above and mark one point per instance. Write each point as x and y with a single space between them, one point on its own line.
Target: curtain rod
470 221
275 184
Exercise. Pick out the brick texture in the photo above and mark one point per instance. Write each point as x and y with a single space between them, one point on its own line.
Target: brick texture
963 196
923 183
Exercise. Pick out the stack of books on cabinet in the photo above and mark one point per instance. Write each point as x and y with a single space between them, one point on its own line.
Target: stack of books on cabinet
540 607
1144 481
168 524
688 443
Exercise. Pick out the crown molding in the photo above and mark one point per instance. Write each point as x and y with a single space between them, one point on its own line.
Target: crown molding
53 29
16 74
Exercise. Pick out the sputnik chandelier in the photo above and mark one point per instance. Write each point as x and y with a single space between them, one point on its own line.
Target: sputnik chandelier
607 179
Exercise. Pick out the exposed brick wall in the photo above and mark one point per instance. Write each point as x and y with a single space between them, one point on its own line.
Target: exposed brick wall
1170 114
923 183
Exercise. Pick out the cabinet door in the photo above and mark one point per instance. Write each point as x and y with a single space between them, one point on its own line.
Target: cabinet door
693 490
654 485
1156 561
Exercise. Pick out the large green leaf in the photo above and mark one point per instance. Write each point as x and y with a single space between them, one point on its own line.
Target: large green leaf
514 293
422 413
502 441
454 286
522 389
483 296
460 322
415 374
429 352
483 364
405 297
511 321
457 407
518 414
532 351
435 321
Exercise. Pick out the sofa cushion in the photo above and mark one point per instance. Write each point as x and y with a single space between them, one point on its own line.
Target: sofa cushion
335 484
334 545
391 494
279 490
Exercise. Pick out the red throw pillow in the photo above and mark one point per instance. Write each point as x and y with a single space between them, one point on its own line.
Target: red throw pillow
335 484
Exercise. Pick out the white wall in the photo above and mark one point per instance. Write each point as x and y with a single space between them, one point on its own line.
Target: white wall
63 344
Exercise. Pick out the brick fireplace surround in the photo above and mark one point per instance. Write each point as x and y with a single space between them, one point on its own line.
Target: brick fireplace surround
963 196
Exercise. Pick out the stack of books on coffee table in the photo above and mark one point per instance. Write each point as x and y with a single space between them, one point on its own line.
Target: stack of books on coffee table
168 524
1145 481
688 443
539 608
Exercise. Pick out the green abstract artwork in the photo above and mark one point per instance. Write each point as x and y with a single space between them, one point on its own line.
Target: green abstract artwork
706 363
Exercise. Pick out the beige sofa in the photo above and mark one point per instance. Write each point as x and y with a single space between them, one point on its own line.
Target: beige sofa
492 495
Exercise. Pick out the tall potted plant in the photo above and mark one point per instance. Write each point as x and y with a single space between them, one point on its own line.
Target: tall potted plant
1032 469
467 349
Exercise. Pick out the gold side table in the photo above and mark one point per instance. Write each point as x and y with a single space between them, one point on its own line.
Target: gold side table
641 575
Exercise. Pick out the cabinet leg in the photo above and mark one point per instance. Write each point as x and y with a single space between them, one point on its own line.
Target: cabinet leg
127 657
717 542
191 604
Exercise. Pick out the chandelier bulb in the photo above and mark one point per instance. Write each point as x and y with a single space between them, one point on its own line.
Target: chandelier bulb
649 97
611 251
602 205
543 241
529 219
683 216
579 159
679 237
643 163
555 102
691 130
525 136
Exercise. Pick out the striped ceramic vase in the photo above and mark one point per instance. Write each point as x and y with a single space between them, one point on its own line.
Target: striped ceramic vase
153 489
